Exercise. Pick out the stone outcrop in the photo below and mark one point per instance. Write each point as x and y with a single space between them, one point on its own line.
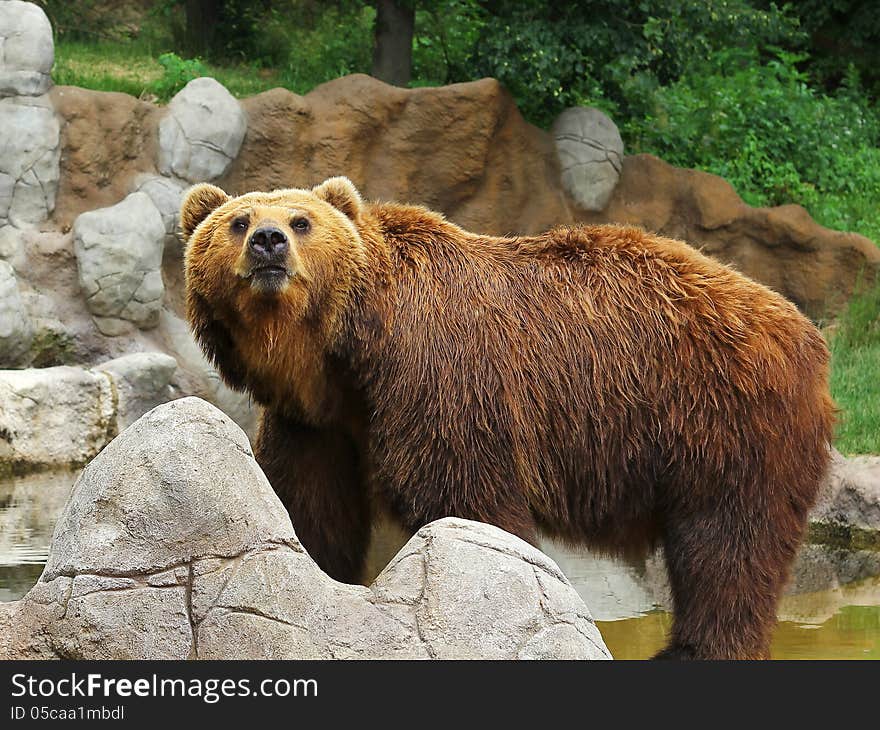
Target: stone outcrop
29 160
142 381
167 196
848 509
590 153
201 133
173 545
65 415
27 51
119 259
16 332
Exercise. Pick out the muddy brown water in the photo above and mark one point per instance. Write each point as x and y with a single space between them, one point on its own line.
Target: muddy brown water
831 610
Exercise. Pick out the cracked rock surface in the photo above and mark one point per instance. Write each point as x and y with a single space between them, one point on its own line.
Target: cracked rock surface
16 332
119 260
164 553
27 50
202 132
65 415
851 495
167 196
590 153
29 160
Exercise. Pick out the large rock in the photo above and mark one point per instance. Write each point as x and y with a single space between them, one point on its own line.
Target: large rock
65 415
29 160
16 333
590 153
173 545
61 415
142 381
848 509
119 258
27 50
781 247
167 195
202 132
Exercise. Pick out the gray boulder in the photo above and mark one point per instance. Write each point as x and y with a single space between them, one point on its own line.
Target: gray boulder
12 245
590 152
65 415
27 50
850 499
53 416
16 333
174 545
202 132
119 259
167 195
142 381
30 154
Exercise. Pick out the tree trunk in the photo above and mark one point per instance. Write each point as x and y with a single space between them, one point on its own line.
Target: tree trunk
393 39
202 17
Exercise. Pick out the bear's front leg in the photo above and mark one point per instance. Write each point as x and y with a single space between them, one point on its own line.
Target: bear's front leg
316 475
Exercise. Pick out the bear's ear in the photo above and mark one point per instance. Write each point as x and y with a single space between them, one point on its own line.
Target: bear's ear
200 201
341 193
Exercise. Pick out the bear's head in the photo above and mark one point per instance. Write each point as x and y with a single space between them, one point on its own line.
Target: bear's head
264 269
272 245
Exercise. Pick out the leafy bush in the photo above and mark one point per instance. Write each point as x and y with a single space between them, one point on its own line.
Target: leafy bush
772 136
334 42
446 33
176 73
614 52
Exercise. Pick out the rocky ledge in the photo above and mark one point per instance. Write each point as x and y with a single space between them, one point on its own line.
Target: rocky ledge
173 545
847 513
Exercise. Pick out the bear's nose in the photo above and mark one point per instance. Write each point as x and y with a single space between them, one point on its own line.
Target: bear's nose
268 242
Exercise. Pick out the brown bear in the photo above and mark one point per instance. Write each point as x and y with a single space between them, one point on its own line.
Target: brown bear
599 384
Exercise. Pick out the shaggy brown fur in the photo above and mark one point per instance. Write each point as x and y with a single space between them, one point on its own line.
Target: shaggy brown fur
600 384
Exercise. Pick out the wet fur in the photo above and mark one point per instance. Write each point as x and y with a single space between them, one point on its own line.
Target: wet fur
606 386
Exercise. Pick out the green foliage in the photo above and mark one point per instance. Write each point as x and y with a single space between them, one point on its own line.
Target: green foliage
176 73
613 52
82 20
446 32
764 129
859 324
841 34
333 42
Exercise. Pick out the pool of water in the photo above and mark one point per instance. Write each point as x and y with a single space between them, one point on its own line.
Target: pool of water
851 631
831 609
29 508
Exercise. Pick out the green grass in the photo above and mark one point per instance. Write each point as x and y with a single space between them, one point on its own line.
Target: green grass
855 385
133 68
855 373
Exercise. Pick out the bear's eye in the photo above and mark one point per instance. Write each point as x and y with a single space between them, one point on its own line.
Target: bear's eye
300 225
240 225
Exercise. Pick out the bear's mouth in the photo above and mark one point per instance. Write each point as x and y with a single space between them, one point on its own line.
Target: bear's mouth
270 270
269 278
